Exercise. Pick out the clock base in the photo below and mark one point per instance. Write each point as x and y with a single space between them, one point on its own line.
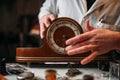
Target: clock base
38 55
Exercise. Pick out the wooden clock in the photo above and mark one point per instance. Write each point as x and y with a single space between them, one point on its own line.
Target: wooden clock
53 49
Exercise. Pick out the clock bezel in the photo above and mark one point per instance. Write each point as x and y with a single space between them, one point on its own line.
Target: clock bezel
52 27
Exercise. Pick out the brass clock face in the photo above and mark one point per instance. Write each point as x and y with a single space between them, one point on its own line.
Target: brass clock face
59 31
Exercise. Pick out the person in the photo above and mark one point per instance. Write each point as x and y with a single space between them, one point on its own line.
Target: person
100 23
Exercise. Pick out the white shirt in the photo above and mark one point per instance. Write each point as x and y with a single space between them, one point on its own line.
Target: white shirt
65 8
106 10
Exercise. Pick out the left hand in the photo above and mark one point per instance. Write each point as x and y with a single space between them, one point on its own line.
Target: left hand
96 40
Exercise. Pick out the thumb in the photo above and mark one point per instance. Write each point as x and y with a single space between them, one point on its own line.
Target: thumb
87 26
52 17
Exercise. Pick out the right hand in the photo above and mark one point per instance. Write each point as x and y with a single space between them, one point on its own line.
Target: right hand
45 22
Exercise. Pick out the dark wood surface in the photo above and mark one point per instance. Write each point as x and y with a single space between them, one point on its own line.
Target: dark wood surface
47 55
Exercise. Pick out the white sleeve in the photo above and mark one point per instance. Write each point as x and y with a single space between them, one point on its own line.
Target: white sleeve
48 7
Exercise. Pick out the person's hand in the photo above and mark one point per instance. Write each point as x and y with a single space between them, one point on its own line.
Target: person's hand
96 40
45 22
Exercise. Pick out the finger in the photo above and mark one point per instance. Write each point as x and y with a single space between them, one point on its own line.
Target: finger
52 17
47 22
42 30
87 26
89 58
79 50
77 45
79 38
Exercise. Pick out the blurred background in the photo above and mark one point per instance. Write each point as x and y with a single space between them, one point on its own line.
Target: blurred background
19 26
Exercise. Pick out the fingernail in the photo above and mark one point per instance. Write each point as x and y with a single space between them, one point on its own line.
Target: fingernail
48 25
83 62
67 42
66 48
41 37
69 53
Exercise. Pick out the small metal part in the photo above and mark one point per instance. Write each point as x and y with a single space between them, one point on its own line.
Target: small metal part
73 72
26 76
88 77
62 78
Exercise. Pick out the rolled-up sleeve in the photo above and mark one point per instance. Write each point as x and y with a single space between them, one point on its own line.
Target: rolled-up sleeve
48 7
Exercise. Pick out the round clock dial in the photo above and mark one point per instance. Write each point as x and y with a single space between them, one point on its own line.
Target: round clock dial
59 31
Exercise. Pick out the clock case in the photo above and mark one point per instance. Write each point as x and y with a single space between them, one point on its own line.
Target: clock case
45 53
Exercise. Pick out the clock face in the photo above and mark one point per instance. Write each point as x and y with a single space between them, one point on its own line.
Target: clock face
59 31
